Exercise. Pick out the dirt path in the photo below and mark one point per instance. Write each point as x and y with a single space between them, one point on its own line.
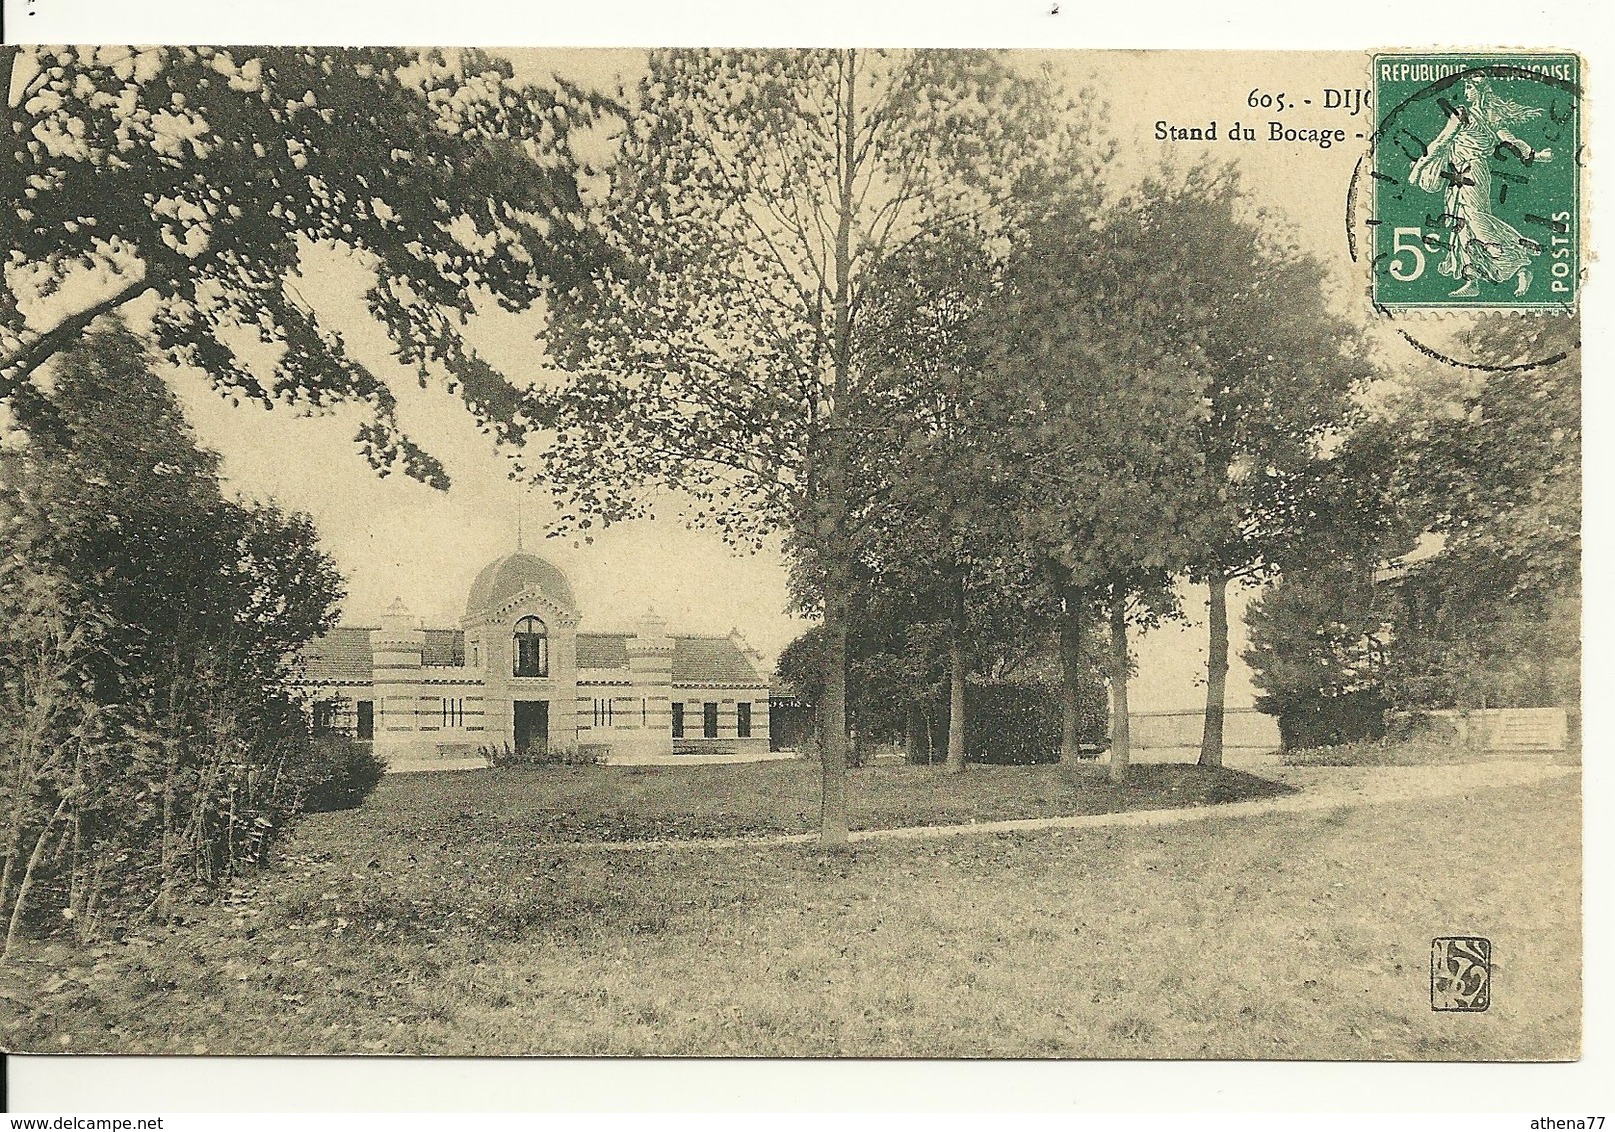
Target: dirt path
1318 788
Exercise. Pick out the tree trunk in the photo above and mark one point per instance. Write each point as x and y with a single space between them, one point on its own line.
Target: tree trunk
913 733
956 680
76 885
169 847
833 820
1216 671
836 547
834 752
87 927
1120 735
11 176
19 906
1071 627
13 844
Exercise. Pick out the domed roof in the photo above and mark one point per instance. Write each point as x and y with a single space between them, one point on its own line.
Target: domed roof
504 578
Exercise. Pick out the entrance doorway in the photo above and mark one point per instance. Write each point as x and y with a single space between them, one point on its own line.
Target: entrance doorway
532 725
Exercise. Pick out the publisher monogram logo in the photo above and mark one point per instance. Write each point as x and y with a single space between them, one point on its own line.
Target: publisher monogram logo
1460 973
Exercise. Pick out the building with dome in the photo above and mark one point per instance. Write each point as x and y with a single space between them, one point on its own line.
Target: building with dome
517 672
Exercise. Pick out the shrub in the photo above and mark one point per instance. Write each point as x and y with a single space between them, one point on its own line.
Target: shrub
1327 721
147 626
336 773
569 754
1407 726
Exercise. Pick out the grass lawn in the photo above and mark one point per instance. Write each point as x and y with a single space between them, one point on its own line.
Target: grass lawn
544 805
1301 935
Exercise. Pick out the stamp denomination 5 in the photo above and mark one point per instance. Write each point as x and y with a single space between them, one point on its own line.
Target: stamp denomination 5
1476 182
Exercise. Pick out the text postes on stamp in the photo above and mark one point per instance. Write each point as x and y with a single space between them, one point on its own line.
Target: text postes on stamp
1460 973
1476 181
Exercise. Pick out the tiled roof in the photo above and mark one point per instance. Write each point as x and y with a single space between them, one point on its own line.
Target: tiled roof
602 650
696 660
444 646
712 660
341 656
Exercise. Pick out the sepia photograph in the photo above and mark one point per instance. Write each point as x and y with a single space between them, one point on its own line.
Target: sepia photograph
785 552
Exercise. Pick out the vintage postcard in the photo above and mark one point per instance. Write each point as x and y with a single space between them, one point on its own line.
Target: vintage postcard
792 553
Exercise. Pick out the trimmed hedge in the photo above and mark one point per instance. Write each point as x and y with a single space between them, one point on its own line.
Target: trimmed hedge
1019 724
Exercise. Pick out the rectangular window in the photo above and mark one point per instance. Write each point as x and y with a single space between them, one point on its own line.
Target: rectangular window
709 720
367 719
604 712
678 721
644 713
453 713
743 720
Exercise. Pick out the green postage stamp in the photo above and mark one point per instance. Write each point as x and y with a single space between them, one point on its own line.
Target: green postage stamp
1477 181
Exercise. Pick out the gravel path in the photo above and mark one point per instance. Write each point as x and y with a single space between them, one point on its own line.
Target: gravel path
1318 788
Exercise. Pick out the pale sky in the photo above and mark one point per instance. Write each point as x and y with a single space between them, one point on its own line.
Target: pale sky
393 537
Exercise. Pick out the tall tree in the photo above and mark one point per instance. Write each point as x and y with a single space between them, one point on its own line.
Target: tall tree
935 487
205 177
1493 455
1485 462
1277 369
1491 463
1101 437
754 194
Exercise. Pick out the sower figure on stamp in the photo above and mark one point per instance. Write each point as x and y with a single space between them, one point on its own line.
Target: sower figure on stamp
1457 164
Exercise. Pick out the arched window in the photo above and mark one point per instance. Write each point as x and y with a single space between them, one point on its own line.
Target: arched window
531 654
